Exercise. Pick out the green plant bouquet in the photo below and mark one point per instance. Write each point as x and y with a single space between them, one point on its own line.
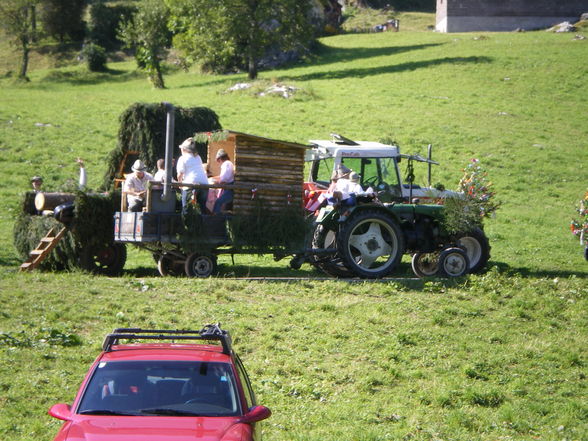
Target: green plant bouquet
476 201
579 227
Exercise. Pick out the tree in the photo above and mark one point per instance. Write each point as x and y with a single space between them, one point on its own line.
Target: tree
148 34
16 19
238 33
63 18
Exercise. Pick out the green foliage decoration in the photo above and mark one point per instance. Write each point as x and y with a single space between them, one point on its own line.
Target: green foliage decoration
476 201
579 227
92 227
142 129
28 231
263 231
93 223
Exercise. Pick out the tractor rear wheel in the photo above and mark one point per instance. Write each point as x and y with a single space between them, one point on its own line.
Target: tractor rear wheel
371 244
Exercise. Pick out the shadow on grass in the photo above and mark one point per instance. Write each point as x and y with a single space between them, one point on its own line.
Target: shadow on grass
542 274
395 68
91 78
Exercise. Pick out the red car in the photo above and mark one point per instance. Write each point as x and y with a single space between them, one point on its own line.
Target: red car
171 389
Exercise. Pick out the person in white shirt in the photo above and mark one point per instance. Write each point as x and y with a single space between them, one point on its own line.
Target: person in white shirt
159 175
135 186
226 176
190 170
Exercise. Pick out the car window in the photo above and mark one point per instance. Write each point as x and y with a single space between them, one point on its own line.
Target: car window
180 388
249 395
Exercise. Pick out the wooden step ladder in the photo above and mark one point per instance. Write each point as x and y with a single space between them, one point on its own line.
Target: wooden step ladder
44 248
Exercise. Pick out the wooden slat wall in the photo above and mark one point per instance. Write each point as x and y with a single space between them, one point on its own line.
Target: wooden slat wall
264 161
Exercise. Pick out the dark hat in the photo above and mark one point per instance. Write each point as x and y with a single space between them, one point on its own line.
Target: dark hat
36 178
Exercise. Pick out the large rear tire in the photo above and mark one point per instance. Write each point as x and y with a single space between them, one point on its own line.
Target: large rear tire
332 265
477 247
108 260
371 244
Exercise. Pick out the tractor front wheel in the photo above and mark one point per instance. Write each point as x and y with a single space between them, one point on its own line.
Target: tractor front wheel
453 262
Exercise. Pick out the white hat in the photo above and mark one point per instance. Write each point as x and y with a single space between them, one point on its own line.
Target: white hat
220 153
354 177
188 145
138 166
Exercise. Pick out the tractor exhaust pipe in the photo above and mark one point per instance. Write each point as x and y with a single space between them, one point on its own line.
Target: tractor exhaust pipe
169 148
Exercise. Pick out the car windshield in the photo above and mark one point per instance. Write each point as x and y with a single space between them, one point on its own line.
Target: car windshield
166 388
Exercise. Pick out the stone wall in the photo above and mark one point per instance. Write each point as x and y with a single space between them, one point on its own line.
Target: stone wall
505 15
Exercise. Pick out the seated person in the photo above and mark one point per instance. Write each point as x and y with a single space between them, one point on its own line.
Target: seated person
135 186
226 176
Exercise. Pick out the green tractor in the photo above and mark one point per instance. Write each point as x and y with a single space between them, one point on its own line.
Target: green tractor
368 237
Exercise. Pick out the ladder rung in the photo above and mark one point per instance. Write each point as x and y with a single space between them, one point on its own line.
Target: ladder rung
37 252
48 239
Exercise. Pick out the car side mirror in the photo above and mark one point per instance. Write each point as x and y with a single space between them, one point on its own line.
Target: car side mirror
255 414
60 411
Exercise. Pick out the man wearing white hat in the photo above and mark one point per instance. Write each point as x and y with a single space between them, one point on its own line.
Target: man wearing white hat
135 186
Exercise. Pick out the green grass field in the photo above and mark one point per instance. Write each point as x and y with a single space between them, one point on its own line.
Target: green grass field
499 356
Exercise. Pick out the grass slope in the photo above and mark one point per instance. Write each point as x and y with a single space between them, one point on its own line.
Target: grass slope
497 356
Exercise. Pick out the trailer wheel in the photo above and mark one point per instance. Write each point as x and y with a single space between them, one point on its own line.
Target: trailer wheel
331 265
108 260
453 262
169 264
371 244
425 264
477 248
200 265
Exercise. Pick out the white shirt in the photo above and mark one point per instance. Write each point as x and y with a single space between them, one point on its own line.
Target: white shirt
227 173
159 176
133 183
191 168
346 187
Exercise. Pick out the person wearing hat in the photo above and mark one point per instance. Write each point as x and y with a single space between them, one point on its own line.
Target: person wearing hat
135 186
226 176
37 183
190 170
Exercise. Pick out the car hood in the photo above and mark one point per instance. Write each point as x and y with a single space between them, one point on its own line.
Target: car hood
128 428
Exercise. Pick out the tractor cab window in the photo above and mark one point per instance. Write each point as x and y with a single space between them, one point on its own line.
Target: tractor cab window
378 173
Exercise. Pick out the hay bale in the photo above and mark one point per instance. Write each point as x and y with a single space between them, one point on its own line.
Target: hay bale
142 129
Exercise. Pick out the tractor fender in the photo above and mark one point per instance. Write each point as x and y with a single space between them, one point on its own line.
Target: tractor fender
353 211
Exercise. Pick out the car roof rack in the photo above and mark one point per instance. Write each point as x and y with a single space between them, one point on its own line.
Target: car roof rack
211 332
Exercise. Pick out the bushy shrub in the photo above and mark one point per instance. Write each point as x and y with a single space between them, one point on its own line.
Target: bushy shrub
95 57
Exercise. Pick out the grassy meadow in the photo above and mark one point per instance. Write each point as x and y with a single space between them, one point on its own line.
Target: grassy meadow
498 356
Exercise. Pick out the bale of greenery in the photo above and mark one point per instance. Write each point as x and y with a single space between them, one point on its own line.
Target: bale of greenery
28 231
143 129
92 227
